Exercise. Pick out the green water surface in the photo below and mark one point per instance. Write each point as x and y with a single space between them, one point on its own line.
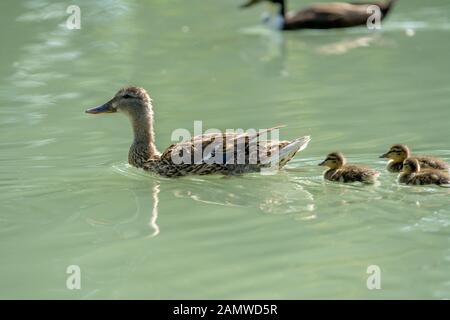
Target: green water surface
68 197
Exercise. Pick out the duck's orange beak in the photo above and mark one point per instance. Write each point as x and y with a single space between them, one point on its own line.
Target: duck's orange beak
104 108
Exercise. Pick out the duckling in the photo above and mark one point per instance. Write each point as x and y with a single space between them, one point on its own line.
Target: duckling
322 15
223 153
400 152
412 174
341 172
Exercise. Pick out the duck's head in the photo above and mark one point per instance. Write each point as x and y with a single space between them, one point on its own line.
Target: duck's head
411 166
132 101
397 153
274 15
334 160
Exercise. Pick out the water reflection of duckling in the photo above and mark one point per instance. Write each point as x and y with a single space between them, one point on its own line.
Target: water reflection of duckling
412 174
398 153
341 172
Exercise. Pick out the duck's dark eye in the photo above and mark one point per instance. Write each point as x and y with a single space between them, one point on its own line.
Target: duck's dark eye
127 96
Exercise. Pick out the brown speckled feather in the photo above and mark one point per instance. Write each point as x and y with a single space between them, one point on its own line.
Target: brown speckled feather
215 146
352 173
425 163
432 163
428 177
334 15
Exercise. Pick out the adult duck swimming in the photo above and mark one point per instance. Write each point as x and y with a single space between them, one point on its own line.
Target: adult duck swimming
321 16
229 147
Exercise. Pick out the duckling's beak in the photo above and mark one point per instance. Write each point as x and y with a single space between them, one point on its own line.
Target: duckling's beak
385 155
104 108
322 163
249 3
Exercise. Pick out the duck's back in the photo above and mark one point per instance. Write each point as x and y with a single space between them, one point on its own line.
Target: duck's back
331 15
432 163
405 177
224 153
430 177
352 173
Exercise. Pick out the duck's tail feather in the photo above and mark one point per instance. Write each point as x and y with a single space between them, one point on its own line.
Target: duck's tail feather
371 177
237 140
288 151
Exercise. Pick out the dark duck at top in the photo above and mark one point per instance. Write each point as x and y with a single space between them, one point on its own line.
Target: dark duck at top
321 16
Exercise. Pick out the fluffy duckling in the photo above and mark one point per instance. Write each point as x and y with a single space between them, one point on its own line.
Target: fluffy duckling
412 174
223 153
398 153
341 172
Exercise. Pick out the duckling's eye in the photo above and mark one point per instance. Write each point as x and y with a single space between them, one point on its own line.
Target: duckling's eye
127 96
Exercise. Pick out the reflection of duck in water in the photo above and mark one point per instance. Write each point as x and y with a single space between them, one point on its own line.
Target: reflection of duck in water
154 216
281 194
223 153
132 225
346 45
321 16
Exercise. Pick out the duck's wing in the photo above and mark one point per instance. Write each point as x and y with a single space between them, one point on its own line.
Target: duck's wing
351 173
405 177
433 163
331 15
430 177
221 147
385 6
370 3
250 145
225 153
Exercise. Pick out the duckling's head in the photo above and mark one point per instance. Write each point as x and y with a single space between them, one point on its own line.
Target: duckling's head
397 153
334 160
411 166
132 101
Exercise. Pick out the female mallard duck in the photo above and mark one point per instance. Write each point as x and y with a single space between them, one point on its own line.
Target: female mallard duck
399 152
341 172
223 153
322 16
412 174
